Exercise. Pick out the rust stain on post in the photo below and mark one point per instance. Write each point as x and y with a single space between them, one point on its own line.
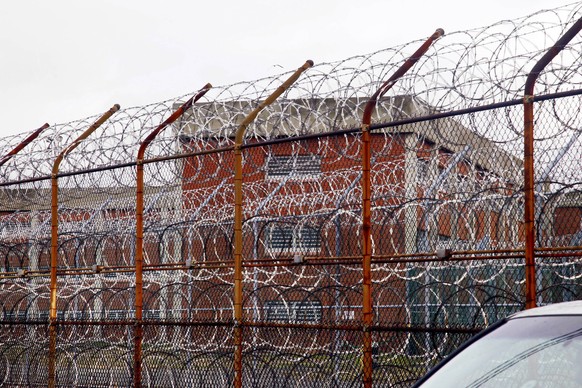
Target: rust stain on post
55 236
139 207
238 199
528 161
366 205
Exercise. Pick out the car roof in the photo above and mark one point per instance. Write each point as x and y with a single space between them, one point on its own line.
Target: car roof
565 308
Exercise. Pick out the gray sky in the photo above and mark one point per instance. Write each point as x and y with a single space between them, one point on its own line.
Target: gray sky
67 59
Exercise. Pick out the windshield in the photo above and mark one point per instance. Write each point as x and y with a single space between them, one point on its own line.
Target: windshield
525 352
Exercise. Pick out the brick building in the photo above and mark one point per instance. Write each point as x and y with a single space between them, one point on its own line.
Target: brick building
435 184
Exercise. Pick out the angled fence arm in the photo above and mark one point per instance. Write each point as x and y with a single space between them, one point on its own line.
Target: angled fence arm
366 205
23 144
528 161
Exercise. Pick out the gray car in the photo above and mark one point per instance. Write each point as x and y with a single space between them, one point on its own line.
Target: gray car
540 347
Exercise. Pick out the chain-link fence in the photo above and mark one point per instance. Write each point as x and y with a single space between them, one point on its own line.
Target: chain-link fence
179 244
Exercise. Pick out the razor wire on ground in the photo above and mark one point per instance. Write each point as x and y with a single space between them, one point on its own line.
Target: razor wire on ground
447 221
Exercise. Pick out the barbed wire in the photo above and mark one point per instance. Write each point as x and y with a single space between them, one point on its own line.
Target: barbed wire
452 184
462 69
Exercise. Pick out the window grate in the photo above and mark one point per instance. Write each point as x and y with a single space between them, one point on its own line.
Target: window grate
296 166
293 312
293 239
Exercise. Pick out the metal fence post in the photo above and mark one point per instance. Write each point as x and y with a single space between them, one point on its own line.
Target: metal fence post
366 205
139 208
238 217
528 161
55 237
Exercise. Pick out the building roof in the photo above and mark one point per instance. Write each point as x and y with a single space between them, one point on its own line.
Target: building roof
39 199
299 117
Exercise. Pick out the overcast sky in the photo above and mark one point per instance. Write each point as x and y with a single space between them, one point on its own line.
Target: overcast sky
63 60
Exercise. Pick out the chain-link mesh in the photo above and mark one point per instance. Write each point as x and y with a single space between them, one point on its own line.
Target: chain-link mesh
446 224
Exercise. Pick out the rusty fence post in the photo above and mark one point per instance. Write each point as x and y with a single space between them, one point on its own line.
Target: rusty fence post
528 161
55 237
139 208
367 312
22 144
238 217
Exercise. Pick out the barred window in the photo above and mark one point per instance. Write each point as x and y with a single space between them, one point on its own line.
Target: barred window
295 166
288 238
308 311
